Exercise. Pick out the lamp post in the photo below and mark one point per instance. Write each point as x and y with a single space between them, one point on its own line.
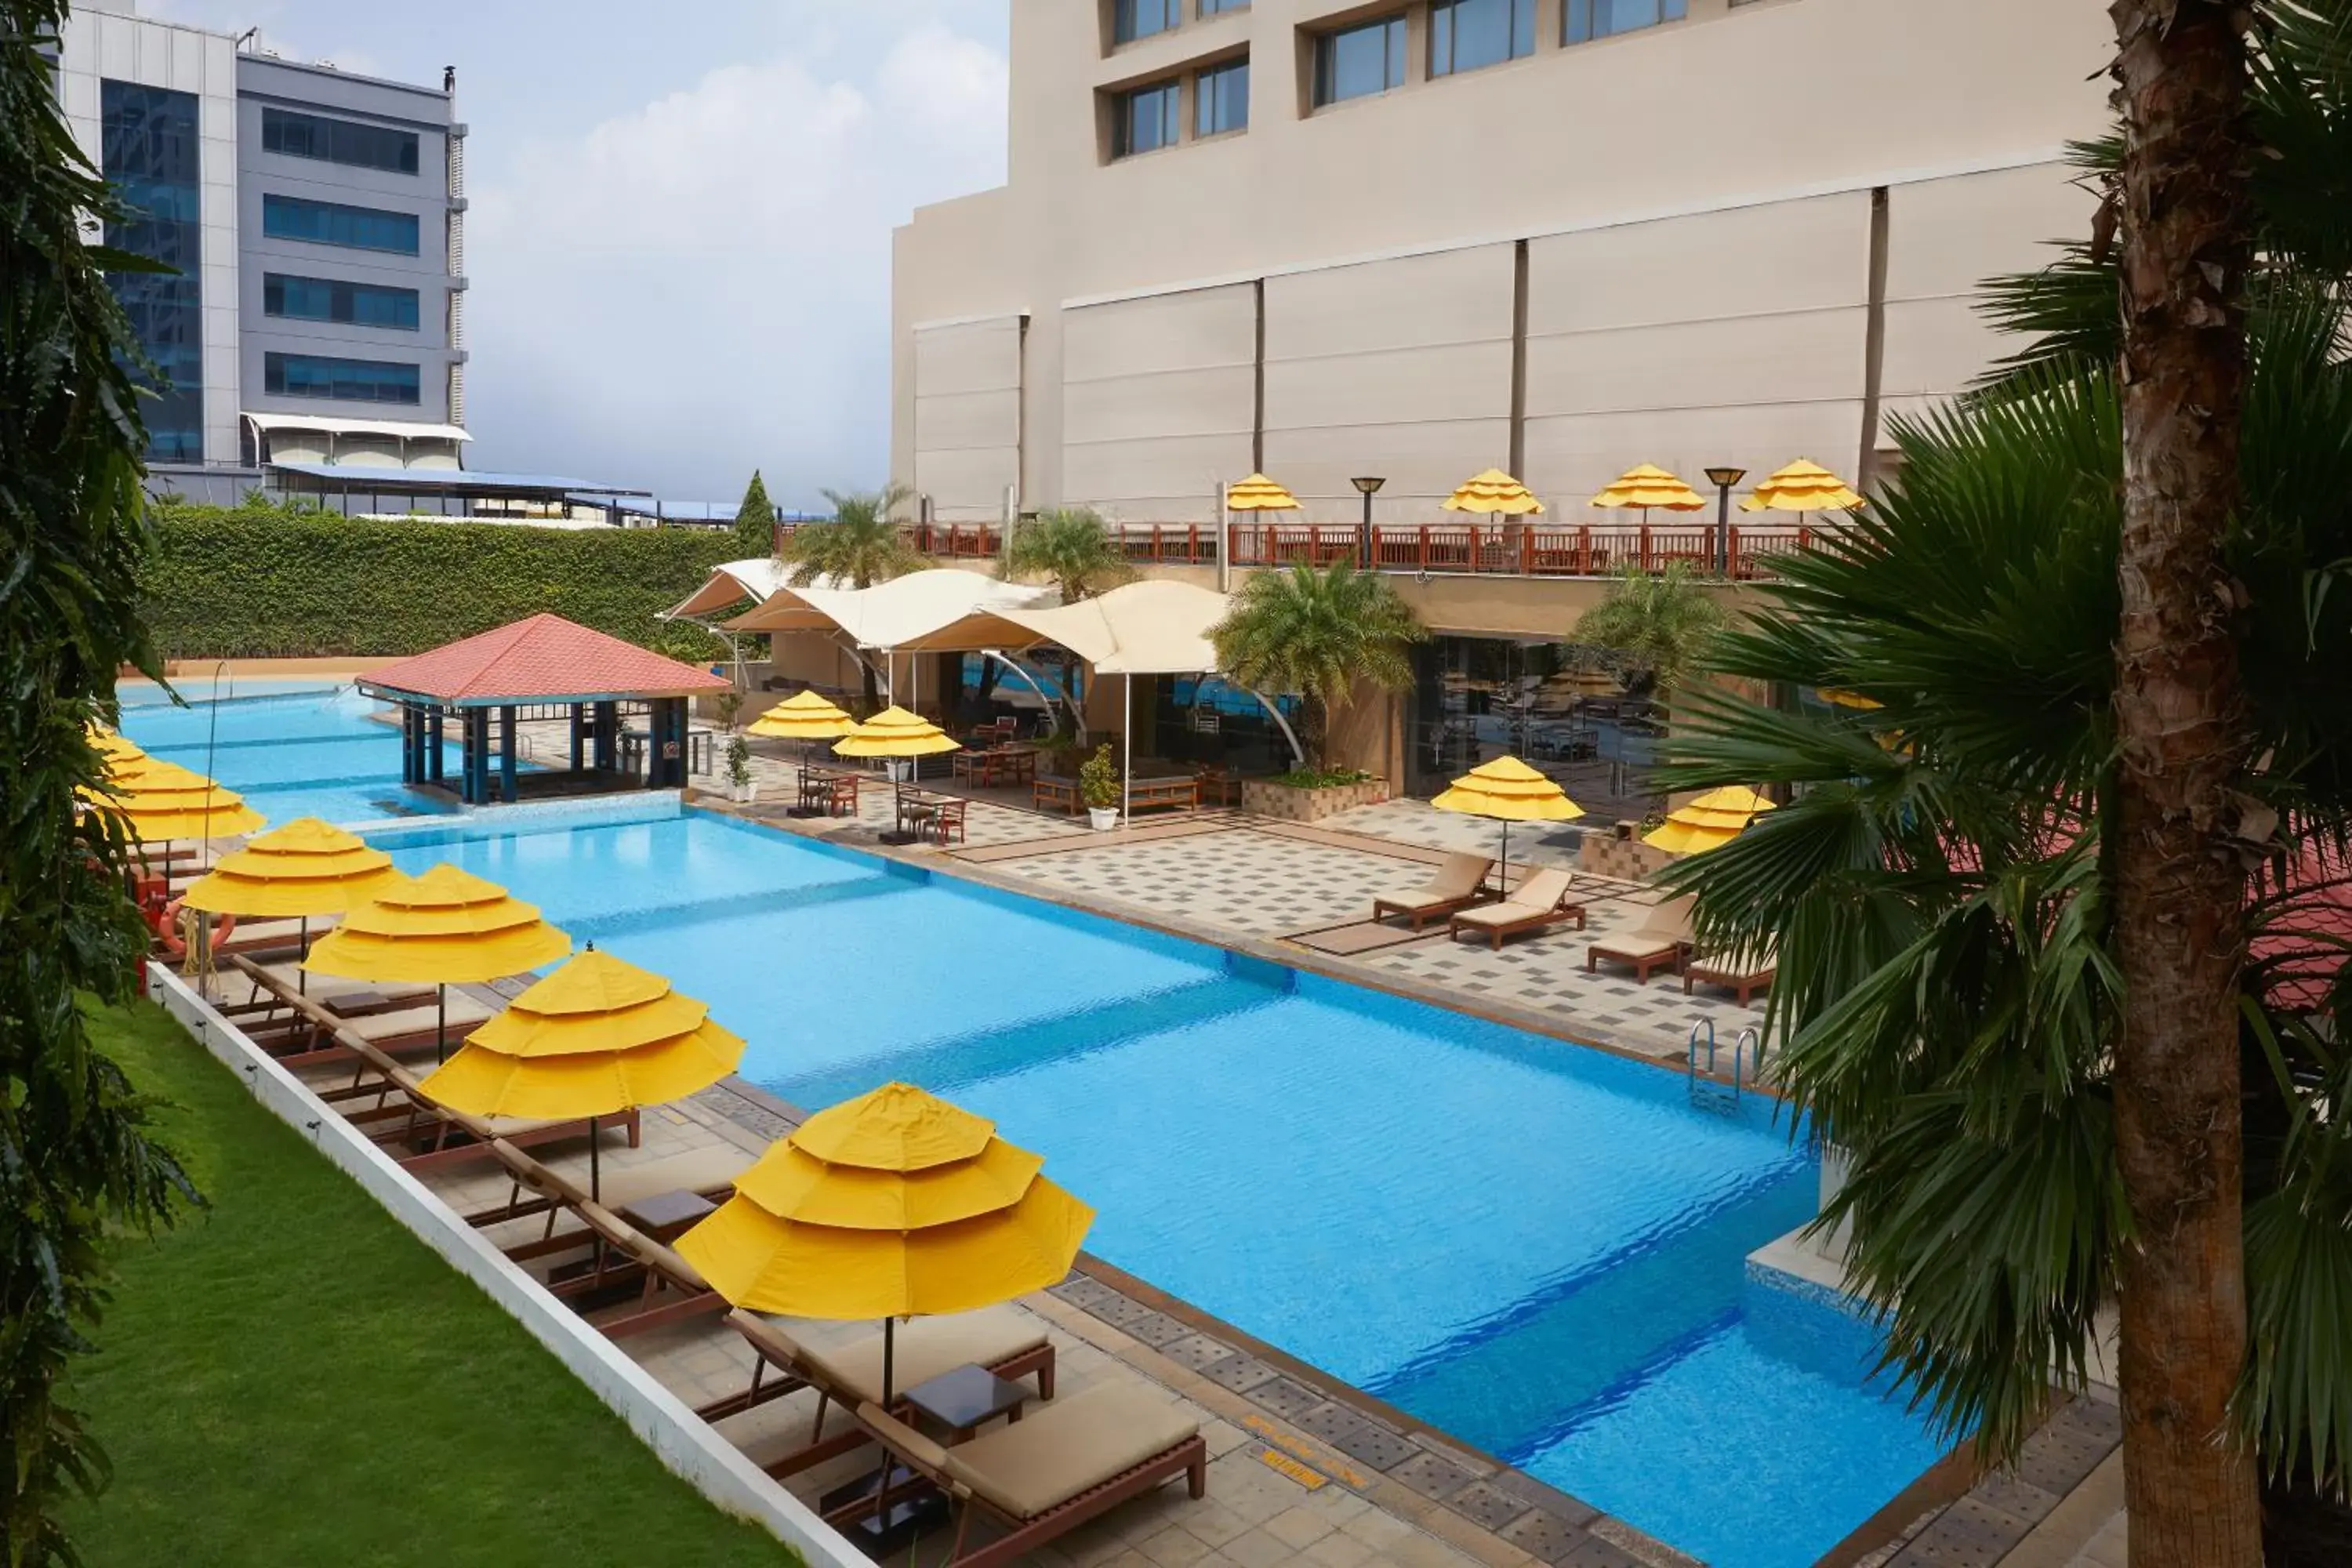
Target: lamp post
1366 486
1723 480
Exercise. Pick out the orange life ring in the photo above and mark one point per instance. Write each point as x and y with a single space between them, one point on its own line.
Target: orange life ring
174 945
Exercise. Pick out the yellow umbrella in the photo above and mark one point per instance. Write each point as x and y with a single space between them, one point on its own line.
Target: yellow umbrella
895 733
1847 698
444 928
804 716
305 868
159 801
1708 822
113 745
1646 486
598 1036
1803 487
888 1206
1258 493
1493 491
1509 791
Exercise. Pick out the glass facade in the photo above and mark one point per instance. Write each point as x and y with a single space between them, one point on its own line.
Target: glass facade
1133 19
148 153
338 140
327 223
344 380
332 299
1221 100
1573 713
1219 7
1464 35
1588 19
1356 62
1146 120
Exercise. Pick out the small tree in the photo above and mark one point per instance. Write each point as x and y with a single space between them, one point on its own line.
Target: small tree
755 520
860 545
1098 779
1073 548
1661 623
76 1163
1317 634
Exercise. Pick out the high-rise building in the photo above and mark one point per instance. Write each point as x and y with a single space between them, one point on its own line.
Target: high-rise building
315 218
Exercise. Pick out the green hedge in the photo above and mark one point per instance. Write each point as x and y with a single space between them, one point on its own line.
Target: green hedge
257 582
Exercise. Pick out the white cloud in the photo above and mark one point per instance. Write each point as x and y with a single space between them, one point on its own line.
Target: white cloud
703 284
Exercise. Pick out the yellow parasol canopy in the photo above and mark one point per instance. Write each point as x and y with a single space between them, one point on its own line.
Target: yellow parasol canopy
1708 822
1509 791
597 1036
1647 486
159 801
1855 699
444 928
921 1208
114 746
804 716
305 868
895 733
1258 493
1493 491
1803 487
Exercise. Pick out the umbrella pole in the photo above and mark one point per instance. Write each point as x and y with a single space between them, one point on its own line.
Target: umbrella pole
1127 773
890 1343
440 1023
1504 876
595 1166
303 942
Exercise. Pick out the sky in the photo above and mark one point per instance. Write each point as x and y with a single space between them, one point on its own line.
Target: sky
679 235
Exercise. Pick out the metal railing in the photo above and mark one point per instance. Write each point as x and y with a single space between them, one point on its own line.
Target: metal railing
1507 550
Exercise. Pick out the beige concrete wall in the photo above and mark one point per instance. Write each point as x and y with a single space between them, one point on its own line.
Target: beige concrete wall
967 413
1159 398
1697 214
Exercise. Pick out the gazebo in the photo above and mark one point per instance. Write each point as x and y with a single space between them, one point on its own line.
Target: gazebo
542 667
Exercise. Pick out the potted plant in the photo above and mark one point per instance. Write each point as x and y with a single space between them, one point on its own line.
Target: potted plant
739 769
1099 787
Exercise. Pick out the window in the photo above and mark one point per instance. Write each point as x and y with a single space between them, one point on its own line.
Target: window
1589 20
325 223
344 380
1219 7
331 300
1359 60
1221 98
1147 121
1133 19
338 140
1464 35
147 152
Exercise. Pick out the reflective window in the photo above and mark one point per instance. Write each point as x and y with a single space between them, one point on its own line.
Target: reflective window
1221 100
1146 120
1589 20
1359 60
327 223
1219 7
338 140
1464 35
1133 19
332 299
148 151
344 380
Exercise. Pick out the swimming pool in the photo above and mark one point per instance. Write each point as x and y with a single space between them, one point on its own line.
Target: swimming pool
292 748
1536 1248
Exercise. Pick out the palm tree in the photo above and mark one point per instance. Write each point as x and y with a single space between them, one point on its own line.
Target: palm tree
1317 634
861 545
1661 623
1073 547
1954 891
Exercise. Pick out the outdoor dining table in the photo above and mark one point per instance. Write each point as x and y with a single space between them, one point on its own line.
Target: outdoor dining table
997 765
917 808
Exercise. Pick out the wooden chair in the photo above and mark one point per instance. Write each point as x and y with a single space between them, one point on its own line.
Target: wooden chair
947 817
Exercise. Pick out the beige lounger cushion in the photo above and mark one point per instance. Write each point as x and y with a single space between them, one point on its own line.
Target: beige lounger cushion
1457 878
1535 897
1635 947
922 1349
695 1171
1071 1446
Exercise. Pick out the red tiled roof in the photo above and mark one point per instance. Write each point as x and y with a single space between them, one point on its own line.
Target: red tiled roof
538 660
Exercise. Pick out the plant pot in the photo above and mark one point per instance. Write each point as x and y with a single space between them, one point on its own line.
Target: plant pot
1287 803
747 793
1103 818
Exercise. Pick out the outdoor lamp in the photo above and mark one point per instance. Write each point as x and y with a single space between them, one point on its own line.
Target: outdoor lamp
1723 480
1365 486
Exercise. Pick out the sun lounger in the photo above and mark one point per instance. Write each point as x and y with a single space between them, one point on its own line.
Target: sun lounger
1742 976
1460 882
540 1189
1539 902
297 1028
404 1115
671 1289
1041 1477
1007 1342
1661 940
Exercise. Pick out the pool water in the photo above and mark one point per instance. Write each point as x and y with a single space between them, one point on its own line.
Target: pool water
1536 1248
291 748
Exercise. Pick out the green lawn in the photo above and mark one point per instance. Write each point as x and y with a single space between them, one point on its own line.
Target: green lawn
290 1378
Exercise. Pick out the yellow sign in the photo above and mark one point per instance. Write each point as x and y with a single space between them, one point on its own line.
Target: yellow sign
1283 1464
1277 1437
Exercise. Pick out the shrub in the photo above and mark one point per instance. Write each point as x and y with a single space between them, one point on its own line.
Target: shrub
1099 780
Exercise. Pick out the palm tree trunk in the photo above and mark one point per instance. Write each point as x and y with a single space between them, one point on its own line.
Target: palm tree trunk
2190 1483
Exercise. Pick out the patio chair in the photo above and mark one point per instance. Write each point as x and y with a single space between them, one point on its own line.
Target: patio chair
1039 1479
1537 904
1741 976
1661 940
1009 1344
1460 882
948 820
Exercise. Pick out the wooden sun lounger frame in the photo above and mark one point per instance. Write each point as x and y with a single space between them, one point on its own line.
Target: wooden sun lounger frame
1559 913
1189 1459
1743 983
1421 913
769 1349
317 1033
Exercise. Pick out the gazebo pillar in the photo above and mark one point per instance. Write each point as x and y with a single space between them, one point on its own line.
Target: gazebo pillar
408 743
578 733
667 769
506 753
434 765
478 756
607 734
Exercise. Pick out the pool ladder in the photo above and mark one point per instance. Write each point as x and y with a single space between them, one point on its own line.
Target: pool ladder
1747 1063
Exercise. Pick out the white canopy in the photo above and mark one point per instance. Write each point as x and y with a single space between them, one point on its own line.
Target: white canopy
341 426
1152 627
756 580
910 614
